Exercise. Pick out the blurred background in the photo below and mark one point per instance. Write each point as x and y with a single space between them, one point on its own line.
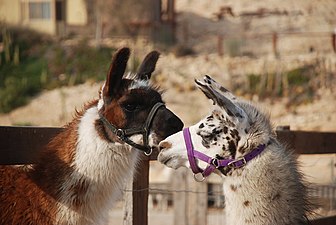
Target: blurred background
54 55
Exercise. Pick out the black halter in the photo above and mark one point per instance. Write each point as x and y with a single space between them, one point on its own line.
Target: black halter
123 134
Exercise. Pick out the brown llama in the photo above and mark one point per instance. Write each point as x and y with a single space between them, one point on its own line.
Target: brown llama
83 170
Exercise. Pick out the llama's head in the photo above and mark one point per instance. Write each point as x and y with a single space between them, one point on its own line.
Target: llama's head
233 128
131 109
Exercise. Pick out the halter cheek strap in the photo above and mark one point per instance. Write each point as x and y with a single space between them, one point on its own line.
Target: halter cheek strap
214 163
124 134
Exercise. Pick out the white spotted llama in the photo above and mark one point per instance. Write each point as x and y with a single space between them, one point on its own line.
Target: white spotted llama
261 181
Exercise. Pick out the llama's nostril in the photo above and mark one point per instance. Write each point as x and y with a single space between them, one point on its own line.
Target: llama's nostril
164 145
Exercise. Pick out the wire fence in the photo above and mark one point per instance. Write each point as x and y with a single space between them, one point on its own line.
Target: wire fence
183 195
320 191
162 206
258 44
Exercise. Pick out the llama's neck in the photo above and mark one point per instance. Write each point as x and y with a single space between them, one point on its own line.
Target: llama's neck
95 175
268 191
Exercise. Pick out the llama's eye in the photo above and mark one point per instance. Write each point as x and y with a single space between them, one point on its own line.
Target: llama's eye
130 107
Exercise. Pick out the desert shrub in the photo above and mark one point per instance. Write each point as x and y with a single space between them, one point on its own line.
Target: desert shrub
29 42
19 83
298 84
75 64
253 82
300 76
32 62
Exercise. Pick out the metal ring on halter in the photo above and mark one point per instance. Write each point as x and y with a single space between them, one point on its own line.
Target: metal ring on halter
120 133
197 179
149 152
215 162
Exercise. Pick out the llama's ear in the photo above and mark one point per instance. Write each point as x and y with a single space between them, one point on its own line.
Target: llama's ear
147 67
116 72
219 88
223 102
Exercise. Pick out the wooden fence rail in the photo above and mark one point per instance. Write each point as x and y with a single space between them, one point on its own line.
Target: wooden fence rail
21 145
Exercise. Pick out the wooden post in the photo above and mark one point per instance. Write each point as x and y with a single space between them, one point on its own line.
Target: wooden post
128 204
333 41
140 193
180 198
172 18
136 202
275 44
197 201
220 49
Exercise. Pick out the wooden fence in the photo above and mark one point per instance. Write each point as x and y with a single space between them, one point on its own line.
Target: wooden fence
21 145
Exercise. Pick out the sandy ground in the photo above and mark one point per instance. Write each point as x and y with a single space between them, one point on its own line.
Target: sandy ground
166 217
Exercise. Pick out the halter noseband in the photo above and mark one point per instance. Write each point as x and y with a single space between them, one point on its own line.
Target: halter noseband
123 134
214 163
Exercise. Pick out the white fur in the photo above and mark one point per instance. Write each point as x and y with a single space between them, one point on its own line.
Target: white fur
104 166
263 178
269 190
273 172
101 100
138 84
100 104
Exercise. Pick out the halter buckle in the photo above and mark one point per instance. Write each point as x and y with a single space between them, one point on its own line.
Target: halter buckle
240 162
215 162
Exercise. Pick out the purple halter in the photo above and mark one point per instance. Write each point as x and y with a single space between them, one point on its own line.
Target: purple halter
214 163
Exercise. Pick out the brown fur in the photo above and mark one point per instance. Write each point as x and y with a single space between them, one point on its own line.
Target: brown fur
20 189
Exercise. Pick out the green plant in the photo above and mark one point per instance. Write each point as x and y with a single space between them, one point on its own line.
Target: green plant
19 83
77 63
299 82
253 82
299 76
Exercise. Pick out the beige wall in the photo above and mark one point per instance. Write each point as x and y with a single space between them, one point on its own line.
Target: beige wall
76 13
16 12
44 26
10 11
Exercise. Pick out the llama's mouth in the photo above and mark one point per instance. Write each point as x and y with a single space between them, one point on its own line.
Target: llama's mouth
172 162
165 161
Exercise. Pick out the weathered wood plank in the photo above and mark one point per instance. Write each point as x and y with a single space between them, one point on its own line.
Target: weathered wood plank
309 142
331 220
180 198
21 145
128 204
197 202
